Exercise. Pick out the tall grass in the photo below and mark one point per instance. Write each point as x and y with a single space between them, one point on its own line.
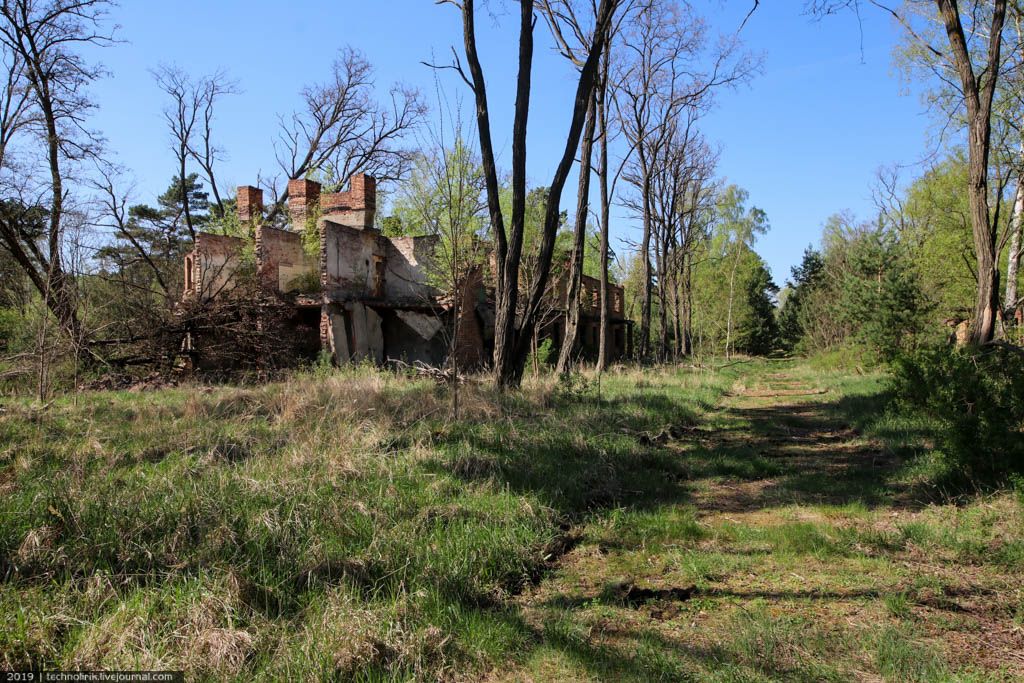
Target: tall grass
332 525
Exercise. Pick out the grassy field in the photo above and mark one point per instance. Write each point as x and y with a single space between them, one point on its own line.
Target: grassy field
759 522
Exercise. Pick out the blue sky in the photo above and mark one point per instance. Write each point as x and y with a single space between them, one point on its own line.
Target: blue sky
805 138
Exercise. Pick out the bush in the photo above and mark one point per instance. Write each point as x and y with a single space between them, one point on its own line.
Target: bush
976 398
15 331
543 356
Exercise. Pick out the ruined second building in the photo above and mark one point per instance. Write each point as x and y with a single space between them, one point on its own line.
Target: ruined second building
363 295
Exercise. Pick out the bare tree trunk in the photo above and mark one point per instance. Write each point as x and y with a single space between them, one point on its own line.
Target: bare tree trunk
688 308
534 348
457 303
677 316
602 115
661 258
979 91
512 340
505 337
504 321
648 284
1010 302
59 286
584 93
732 294
573 303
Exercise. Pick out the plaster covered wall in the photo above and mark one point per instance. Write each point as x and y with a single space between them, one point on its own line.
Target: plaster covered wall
213 264
354 262
354 332
283 262
408 269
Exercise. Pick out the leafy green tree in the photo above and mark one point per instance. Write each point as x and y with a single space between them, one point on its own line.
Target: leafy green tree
804 279
935 226
863 290
150 241
758 332
444 189
879 295
736 229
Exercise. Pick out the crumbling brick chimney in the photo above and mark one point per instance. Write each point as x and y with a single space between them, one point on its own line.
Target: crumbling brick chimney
355 207
303 197
249 203
362 192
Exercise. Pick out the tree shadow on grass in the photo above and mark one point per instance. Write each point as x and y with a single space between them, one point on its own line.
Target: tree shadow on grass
622 651
644 451
824 453
581 458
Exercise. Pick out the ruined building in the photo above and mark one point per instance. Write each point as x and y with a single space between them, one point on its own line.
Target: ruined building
358 294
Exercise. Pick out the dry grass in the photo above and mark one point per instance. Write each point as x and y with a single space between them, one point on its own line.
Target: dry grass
340 525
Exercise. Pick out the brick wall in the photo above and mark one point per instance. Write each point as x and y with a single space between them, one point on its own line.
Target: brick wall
281 258
303 197
469 340
357 206
249 203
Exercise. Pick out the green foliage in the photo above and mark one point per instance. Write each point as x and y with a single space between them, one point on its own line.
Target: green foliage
543 356
12 326
15 287
804 280
754 328
533 232
444 198
732 289
161 233
392 226
976 399
307 283
311 235
863 290
758 333
936 231
879 296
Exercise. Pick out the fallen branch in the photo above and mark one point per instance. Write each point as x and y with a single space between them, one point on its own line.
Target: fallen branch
440 375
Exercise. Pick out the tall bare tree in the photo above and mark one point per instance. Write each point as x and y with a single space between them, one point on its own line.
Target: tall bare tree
189 119
667 68
513 334
679 194
571 25
46 101
344 130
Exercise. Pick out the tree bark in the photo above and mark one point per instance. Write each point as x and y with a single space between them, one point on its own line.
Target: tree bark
979 91
507 292
602 165
1010 302
688 308
645 255
732 295
58 291
573 295
661 256
512 336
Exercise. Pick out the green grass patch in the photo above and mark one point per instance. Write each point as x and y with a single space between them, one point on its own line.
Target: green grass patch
338 526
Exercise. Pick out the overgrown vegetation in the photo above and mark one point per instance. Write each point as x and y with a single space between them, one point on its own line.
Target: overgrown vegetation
976 397
681 525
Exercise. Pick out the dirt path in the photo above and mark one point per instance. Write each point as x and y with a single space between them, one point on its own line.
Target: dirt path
799 555
817 457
